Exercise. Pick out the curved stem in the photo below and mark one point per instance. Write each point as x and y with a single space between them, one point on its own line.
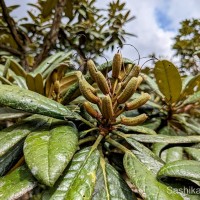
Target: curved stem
116 144
83 133
98 140
87 139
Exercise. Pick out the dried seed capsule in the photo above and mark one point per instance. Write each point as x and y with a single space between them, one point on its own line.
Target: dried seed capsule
102 83
136 103
132 121
90 110
92 69
133 73
107 109
128 90
87 91
116 65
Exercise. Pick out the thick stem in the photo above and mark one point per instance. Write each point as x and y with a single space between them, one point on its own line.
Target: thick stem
116 144
87 139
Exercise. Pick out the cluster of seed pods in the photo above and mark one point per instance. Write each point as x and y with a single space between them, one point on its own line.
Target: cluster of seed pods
116 93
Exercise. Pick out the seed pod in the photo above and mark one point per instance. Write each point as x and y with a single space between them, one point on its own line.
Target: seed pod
136 103
102 83
92 69
107 109
82 81
90 110
140 79
116 65
133 73
87 91
128 90
132 121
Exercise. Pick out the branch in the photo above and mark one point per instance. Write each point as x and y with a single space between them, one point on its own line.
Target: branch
11 25
51 38
10 50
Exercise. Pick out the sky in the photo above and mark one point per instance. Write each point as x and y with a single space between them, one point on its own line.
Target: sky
156 24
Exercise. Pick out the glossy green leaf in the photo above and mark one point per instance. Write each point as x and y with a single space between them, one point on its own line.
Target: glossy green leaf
28 101
11 157
48 151
165 139
10 136
110 185
193 98
193 152
187 169
168 80
80 178
145 181
17 183
174 154
138 129
157 148
47 63
146 156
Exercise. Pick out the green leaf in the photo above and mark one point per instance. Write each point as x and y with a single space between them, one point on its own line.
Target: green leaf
157 148
192 98
168 80
174 154
80 178
17 183
10 136
165 139
69 9
11 157
193 152
12 140
146 156
110 185
139 129
17 68
46 64
48 6
192 86
28 101
152 84
145 181
187 169
49 150
9 113
153 124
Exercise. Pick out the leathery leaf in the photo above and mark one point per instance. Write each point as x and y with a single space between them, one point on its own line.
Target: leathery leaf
17 183
145 181
168 80
80 178
49 150
110 185
28 101
187 169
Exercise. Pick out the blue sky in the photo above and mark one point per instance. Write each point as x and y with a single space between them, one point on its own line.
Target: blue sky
156 24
